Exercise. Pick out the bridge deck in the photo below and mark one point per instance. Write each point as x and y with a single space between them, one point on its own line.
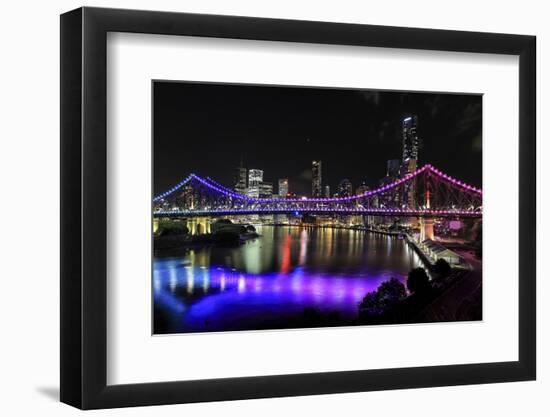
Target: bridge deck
320 211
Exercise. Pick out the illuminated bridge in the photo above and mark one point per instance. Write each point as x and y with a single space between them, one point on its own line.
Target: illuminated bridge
424 193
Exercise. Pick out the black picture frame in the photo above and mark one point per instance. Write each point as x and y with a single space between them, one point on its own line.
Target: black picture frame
84 207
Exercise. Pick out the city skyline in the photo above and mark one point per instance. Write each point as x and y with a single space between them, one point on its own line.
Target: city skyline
358 155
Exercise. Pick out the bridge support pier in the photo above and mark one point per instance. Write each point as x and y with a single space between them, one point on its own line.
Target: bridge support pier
426 228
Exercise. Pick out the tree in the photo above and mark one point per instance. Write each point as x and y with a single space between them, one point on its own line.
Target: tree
386 296
418 282
442 268
171 228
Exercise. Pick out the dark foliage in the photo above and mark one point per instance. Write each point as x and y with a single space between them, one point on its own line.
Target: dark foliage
418 281
442 268
172 229
387 295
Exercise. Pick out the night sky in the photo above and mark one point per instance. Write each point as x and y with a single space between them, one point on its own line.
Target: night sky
207 128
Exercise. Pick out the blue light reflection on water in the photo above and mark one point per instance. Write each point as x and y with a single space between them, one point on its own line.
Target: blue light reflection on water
274 278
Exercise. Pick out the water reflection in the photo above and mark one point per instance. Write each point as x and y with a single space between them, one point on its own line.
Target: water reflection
264 282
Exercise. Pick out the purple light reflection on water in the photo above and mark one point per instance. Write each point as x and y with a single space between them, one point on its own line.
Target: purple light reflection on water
236 300
269 282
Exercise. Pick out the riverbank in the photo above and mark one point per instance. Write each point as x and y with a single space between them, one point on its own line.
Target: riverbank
424 256
177 235
187 241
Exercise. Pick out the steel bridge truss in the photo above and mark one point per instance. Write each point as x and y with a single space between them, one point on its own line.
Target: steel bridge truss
426 192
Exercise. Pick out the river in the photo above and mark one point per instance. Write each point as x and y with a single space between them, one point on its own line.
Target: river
272 281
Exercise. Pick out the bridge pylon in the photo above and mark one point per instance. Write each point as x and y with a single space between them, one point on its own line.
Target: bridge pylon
426 228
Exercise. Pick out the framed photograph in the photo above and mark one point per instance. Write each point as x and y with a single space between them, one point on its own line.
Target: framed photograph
257 208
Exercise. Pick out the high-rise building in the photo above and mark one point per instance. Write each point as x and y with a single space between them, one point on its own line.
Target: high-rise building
409 192
240 180
255 178
327 191
253 191
407 167
410 138
345 189
283 187
266 190
316 179
410 158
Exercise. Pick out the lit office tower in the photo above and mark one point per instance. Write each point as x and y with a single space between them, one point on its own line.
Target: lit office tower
283 187
255 179
240 180
410 146
255 176
410 138
266 189
316 182
410 157
327 191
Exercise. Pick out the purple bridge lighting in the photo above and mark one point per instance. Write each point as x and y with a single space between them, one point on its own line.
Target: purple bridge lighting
426 192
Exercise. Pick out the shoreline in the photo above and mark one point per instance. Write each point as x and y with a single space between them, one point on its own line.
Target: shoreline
193 241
